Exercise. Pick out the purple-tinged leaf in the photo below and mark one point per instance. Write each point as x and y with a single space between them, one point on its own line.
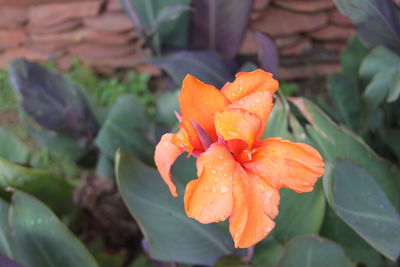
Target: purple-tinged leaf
6 262
54 101
205 139
130 11
377 21
220 25
208 66
267 53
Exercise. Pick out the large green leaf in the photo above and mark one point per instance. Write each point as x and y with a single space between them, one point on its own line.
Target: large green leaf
337 142
313 251
299 214
346 96
379 88
267 253
5 231
40 239
352 57
278 121
164 22
45 185
378 59
172 236
12 149
362 204
167 104
356 248
125 128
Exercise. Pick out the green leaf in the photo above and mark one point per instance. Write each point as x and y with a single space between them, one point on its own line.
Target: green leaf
345 94
352 57
394 91
171 235
362 204
12 149
313 251
379 88
5 231
167 104
267 253
378 59
299 214
45 185
40 239
146 15
59 145
356 248
337 142
278 121
125 128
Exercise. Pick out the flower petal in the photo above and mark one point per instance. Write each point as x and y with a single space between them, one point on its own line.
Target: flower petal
255 205
286 164
181 140
249 82
260 104
199 101
209 198
165 155
237 124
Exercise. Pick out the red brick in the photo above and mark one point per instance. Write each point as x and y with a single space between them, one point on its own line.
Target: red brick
14 37
114 5
62 27
49 48
261 4
48 15
110 22
305 6
249 44
338 18
332 33
35 2
299 49
84 34
334 46
149 69
120 62
286 41
96 51
12 17
278 21
21 52
307 71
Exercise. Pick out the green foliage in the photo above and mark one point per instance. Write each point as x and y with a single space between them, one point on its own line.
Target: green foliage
160 22
367 210
171 235
313 251
39 239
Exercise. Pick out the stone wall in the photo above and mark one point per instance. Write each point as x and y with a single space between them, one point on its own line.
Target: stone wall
309 34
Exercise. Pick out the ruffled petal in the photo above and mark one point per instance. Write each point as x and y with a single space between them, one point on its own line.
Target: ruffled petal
286 164
165 155
249 82
199 101
239 124
255 205
260 104
209 198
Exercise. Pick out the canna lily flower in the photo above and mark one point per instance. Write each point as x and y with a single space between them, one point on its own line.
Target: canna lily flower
239 175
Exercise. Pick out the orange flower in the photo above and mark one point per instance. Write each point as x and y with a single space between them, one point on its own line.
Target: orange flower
239 175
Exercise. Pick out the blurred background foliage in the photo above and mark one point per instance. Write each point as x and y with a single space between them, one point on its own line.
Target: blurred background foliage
77 178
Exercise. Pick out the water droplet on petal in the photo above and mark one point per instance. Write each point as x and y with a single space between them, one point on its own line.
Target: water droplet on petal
214 189
223 189
213 171
258 101
221 157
